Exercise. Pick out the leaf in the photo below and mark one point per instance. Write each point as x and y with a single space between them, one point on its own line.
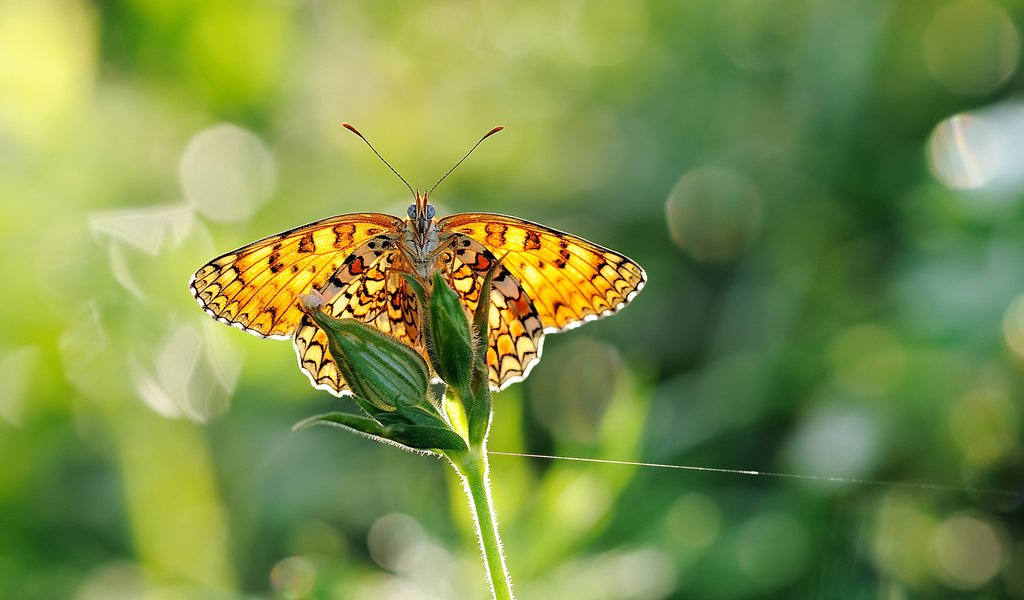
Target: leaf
408 437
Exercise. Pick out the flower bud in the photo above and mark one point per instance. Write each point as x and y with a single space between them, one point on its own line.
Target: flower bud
478 405
377 367
451 341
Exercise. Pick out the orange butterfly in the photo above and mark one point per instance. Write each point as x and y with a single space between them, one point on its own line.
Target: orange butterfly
548 281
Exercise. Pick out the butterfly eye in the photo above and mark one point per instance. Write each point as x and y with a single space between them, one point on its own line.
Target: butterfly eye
430 211
412 211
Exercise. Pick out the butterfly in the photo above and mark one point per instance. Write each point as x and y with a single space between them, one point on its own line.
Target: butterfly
547 281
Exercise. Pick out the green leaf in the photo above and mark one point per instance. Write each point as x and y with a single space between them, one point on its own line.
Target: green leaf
409 437
357 423
427 438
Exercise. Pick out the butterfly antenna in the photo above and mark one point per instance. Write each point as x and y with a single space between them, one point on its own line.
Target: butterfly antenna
486 135
356 131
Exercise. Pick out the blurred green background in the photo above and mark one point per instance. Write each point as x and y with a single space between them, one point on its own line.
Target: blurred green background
826 197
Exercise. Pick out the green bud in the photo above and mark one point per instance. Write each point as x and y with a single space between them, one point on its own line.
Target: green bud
451 340
377 367
478 406
482 316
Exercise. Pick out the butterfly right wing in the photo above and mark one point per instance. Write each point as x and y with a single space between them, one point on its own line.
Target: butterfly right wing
515 333
255 287
569 279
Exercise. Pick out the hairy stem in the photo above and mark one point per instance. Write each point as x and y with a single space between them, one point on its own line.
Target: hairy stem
472 468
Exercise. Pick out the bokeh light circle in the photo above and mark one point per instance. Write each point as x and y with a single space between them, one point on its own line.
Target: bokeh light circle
971 47
586 373
1013 326
835 441
694 521
293 577
227 173
984 424
900 540
713 213
397 542
958 152
966 551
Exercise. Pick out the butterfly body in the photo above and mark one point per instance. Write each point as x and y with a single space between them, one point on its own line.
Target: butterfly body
421 239
548 281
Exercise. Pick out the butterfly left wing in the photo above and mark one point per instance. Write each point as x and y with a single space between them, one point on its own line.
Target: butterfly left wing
368 287
568 279
255 286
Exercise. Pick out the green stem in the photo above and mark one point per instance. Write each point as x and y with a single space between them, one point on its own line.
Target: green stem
472 467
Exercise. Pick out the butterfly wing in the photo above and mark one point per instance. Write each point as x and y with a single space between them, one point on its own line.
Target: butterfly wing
548 281
568 279
515 332
368 287
254 287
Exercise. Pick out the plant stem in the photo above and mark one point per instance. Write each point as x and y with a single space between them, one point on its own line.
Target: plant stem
472 468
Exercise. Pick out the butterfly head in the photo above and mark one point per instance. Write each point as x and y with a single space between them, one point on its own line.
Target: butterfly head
421 209
421 214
